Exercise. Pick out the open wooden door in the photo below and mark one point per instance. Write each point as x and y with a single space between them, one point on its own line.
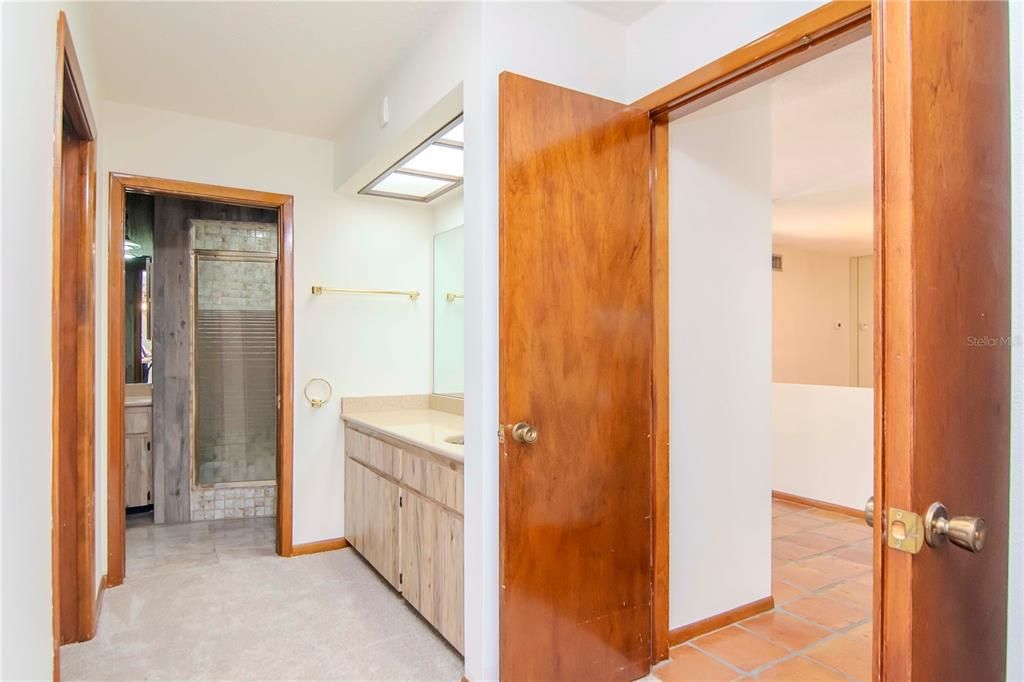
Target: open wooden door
943 376
575 385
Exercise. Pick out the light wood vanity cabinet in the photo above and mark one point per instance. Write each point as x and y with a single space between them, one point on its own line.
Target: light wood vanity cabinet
371 518
403 513
138 456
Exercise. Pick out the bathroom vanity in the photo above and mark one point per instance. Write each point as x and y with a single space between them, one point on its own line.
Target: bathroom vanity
404 506
138 445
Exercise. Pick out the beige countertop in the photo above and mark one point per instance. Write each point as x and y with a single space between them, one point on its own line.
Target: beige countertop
422 428
138 395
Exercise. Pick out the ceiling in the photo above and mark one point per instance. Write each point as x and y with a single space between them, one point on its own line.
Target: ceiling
821 152
624 13
298 67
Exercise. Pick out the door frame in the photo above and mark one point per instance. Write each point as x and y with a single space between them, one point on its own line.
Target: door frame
808 37
120 184
74 575
812 35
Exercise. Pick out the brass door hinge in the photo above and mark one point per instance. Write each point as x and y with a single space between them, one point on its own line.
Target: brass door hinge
501 433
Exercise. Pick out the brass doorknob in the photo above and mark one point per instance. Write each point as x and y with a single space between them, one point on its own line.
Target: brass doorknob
524 433
869 511
967 532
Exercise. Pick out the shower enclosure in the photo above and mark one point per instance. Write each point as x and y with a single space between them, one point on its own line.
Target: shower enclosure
235 370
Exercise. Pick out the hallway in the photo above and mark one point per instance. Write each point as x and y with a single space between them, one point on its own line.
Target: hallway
820 628
210 600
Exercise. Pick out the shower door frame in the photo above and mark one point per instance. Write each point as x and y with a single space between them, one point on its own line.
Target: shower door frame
120 184
218 255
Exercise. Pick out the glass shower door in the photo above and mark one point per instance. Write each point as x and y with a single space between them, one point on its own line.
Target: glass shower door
235 369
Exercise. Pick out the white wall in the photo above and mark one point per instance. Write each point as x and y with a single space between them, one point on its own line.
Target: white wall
447 212
362 345
720 231
1015 637
29 76
679 37
823 442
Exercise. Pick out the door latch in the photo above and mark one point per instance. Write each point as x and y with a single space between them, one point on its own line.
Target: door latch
905 531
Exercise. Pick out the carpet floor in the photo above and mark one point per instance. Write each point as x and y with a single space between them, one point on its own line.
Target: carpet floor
210 605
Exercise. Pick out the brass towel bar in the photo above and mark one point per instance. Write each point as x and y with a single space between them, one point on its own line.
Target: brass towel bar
319 291
451 296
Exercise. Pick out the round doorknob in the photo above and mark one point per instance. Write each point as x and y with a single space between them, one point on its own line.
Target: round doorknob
524 433
869 511
966 532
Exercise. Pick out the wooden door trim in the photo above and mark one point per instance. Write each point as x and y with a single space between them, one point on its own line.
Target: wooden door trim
284 204
827 28
808 37
70 97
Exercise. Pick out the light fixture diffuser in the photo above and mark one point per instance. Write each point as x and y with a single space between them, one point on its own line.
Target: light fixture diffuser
433 168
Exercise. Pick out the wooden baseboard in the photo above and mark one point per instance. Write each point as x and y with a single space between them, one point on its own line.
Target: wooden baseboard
100 590
702 627
811 502
319 546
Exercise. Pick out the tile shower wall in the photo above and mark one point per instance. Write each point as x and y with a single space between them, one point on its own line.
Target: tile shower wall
227 235
248 455
210 504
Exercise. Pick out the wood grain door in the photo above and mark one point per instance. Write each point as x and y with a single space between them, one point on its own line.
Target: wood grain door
575 363
943 178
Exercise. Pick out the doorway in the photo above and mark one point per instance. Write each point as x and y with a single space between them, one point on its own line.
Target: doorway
222 268
74 214
929 382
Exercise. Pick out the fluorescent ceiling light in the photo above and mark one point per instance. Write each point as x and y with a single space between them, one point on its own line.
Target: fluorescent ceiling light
434 167
436 160
418 186
454 135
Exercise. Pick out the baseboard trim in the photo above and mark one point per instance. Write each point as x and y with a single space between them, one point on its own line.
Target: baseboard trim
702 627
319 546
811 502
100 590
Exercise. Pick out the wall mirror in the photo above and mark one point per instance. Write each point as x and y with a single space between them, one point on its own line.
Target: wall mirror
449 312
138 266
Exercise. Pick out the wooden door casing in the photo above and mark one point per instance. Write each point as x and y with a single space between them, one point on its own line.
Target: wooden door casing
575 362
942 350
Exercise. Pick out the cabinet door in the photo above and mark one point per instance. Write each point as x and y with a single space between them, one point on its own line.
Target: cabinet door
138 471
371 519
432 564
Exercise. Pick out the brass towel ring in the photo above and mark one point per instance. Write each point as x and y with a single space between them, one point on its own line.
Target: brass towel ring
318 402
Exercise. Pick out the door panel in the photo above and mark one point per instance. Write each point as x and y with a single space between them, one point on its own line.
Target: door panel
431 558
575 362
942 130
372 518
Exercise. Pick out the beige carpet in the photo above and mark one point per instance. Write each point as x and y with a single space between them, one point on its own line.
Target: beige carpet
317 617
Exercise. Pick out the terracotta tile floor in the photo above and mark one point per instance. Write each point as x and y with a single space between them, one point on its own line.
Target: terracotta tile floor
820 628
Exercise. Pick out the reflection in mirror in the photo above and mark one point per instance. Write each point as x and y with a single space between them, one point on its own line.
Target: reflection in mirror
449 312
138 264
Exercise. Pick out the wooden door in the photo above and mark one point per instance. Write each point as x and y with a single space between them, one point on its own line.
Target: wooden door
371 519
943 178
575 363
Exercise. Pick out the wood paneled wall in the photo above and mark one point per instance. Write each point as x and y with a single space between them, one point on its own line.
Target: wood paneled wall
172 344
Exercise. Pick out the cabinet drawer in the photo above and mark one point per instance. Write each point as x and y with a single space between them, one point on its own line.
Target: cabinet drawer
435 481
136 420
374 453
